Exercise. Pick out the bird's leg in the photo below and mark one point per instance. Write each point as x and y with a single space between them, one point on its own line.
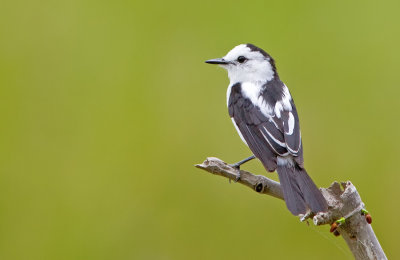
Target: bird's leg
238 164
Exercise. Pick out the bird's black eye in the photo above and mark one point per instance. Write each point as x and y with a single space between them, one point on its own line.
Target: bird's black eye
241 59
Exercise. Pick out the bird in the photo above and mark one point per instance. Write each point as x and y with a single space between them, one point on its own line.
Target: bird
265 116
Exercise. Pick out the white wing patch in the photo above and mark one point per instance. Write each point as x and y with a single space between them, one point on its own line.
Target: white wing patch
286 98
290 124
278 109
284 103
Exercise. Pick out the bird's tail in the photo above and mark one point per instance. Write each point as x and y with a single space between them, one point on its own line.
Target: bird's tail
299 190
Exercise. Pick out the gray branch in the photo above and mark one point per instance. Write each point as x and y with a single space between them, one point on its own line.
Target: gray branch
343 201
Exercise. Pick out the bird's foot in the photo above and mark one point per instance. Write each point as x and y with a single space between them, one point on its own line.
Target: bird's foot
237 176
236 166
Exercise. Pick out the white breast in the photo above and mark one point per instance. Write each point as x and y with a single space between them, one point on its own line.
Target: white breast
228 94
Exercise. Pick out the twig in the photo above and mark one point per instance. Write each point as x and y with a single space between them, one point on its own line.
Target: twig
345 202
258 183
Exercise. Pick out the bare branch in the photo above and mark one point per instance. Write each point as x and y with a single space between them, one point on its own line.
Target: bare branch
343 201
258 183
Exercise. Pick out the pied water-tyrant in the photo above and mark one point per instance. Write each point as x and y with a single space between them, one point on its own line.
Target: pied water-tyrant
265 116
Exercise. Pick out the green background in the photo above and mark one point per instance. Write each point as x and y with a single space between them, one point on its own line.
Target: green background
105 107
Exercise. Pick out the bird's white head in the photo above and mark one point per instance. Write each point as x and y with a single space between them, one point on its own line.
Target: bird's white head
247 63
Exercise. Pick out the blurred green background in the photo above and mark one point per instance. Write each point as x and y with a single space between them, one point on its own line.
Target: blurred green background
106 106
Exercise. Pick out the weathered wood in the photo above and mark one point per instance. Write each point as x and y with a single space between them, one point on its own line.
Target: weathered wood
343 201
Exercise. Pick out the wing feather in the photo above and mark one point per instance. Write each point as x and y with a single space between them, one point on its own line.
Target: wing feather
266 136
291 130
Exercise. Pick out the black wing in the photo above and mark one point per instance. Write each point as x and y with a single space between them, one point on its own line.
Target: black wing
267 137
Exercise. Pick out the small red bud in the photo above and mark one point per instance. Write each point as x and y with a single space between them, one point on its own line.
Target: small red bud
368 218
333 227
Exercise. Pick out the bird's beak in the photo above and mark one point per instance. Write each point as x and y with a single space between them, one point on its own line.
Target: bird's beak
217 61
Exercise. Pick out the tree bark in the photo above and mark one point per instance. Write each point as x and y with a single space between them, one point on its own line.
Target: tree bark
343 202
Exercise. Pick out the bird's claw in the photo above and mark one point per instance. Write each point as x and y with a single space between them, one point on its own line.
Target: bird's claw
237 177
235 165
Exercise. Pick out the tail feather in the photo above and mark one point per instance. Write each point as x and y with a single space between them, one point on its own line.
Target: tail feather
311 193
291 191
299 190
